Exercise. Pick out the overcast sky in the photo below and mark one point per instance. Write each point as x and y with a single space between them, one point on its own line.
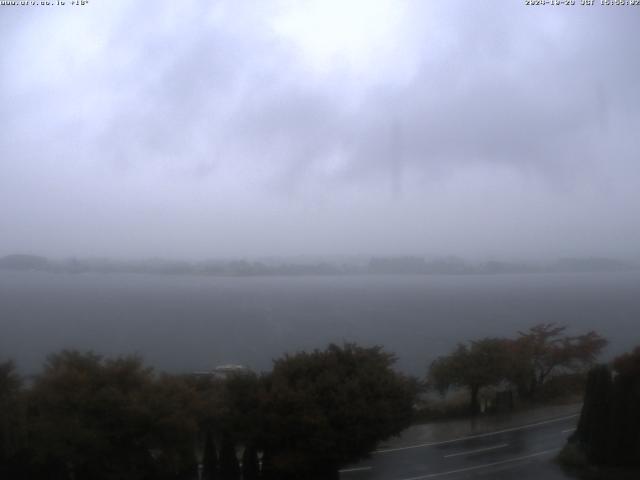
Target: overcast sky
206 129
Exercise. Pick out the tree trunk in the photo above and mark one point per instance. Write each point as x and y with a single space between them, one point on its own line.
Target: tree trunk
474 406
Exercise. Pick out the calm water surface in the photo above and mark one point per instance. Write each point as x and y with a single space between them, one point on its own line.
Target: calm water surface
185 323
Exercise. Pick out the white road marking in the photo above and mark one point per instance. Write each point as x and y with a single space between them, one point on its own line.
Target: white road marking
356 469
477 450
479 435
486 465
568 430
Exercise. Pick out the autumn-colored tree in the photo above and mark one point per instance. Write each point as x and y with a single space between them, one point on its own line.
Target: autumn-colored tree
474 366
544 350
627 365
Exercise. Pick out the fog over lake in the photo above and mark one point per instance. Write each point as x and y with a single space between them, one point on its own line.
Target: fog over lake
188 323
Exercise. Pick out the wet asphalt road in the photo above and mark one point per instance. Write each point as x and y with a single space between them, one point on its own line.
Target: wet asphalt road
522 453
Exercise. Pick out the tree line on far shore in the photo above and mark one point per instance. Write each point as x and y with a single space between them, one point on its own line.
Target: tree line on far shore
401 265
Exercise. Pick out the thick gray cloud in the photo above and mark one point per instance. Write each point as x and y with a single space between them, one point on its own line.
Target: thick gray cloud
199 129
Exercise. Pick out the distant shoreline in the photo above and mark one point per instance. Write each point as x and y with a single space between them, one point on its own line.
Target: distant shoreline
401 265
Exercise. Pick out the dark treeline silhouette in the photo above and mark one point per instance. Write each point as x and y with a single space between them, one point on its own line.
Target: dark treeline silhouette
526 363
608 432
173 267
375 265
86 416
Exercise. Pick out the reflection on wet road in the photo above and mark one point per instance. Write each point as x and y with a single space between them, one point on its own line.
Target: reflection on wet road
522 452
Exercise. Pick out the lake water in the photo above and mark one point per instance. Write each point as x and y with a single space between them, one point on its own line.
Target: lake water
187 323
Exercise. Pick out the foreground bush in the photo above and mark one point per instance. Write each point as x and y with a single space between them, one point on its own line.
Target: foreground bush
86 416
609 429
328 408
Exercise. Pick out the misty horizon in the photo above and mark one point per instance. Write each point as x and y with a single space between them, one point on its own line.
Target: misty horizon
314 265
307 257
